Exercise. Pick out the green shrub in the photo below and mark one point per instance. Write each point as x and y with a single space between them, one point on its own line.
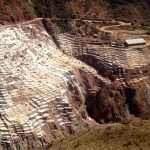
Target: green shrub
77 144
132 23
130 142
1 22
62 24
142 24
124 129
114 3
148 32
93 30
8 1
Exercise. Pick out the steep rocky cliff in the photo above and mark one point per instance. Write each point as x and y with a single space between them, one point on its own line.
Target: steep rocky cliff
116 102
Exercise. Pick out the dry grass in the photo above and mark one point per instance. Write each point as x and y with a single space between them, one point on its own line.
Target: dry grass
135 136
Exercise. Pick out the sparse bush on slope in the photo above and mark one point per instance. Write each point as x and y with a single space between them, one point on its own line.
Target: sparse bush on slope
129 10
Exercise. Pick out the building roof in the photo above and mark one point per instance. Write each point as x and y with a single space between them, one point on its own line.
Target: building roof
135 41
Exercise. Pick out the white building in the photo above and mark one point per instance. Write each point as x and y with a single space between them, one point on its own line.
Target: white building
133 42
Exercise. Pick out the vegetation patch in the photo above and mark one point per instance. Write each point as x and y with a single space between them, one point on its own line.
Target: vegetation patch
114 3
145 116
8 1
63 24
115 136
1 22
146 29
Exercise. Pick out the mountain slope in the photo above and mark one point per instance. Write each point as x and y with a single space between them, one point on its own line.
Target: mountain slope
130 11
133 136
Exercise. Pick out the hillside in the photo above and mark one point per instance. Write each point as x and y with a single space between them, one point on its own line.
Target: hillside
130 11
68 78
52 83
133 136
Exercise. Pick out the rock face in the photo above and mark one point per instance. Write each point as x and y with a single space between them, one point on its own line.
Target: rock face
128 94
114 104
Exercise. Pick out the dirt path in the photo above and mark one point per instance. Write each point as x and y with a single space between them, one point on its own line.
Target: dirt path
112 31
106 29
137 32
20 23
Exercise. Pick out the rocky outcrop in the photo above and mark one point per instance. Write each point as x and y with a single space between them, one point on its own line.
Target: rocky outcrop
112 103
118 102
